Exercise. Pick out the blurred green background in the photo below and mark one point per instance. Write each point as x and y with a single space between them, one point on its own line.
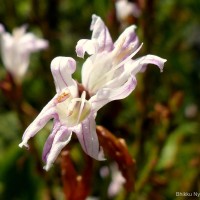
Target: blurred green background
159 120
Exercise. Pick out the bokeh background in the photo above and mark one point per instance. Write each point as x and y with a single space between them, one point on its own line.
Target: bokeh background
159 120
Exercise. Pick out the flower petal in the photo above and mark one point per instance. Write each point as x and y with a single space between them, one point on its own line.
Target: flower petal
87 136
49 141
94 68
84 45
60 140
135 66
101 33
106 95
100 41
127 42
40 121
62 69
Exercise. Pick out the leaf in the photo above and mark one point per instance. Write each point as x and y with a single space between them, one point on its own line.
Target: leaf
173 143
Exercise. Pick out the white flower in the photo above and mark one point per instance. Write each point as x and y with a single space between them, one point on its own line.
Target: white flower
16 50
109 73
124 9
70 112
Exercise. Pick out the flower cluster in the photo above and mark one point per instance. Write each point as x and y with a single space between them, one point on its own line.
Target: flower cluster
108 74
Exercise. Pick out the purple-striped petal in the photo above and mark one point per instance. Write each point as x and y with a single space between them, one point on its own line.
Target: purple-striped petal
101 34
49 141
62 69
139 65
87 136
84 45
100 40
106 95
47 113
60 140
128 38
127 42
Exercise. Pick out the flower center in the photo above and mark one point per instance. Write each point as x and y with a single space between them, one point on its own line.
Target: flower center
72 111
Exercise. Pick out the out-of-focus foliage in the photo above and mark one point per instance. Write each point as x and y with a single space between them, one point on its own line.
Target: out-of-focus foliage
159 121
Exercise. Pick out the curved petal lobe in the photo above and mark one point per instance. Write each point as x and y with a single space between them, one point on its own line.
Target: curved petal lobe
139 65
128 38
106 95
84 45
87 136
62 69
40 121
61 139
49 141
101 34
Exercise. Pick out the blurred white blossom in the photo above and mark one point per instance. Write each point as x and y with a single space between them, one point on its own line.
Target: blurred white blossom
117 180
16 49
125 9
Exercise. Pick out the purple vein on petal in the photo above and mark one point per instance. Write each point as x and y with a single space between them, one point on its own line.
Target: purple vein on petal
84 142
62 76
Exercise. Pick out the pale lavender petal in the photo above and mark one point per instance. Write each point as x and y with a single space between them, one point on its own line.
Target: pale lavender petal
101 34
128 40
106 95
139 65
87 69
50 139
89 46
94 68
40 121
151 59
87 136
100 41
62 69
61 139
